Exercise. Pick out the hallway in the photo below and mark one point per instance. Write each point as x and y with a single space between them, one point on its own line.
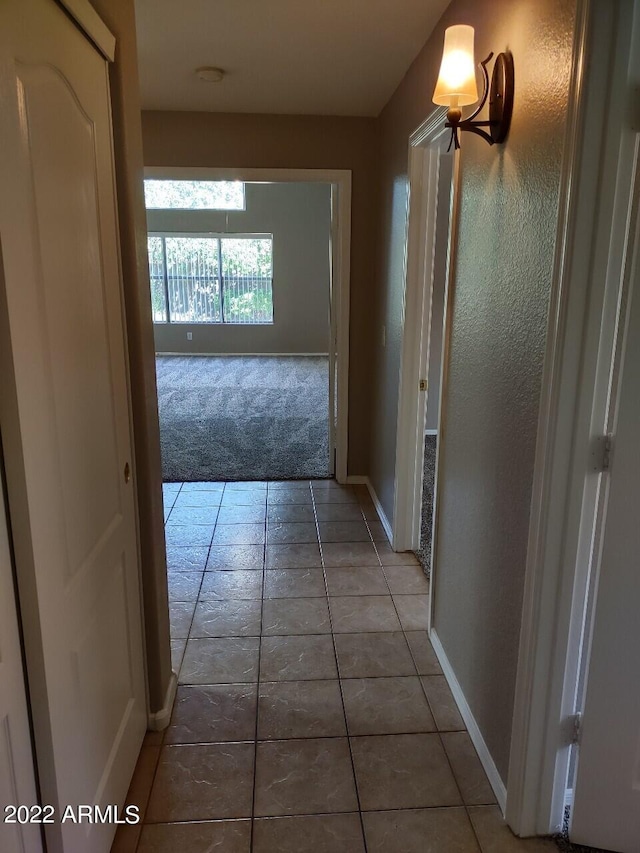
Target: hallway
309 696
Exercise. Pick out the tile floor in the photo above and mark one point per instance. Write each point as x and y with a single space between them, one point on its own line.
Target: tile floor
312 715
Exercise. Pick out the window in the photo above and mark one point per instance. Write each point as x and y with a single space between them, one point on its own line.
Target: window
194 195
200 278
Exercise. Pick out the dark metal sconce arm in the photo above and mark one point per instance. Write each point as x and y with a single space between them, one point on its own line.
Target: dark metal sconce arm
485 93
500 105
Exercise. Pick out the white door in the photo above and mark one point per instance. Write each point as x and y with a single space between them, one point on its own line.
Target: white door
65 417
606 811
17 779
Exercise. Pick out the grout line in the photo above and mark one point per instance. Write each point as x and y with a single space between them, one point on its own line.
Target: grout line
193 615
175 498
189 821
413 657
421 682
143 821
255 742
300 737
339 677
143 815
437 731
335 654
473 829
419 676
306 633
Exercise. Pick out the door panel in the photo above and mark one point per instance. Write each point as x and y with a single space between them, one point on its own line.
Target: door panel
68 416
57 131
17 780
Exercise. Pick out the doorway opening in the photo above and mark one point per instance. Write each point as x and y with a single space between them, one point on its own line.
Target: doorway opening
259 353
429 229
246 279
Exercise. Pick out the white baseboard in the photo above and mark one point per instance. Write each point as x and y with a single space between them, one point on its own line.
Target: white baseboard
386 524
361 480
475 734
159 720
251 354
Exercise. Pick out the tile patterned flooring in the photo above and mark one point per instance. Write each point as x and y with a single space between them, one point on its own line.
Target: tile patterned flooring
312 715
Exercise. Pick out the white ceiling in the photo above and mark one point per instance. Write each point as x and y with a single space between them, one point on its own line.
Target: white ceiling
319 57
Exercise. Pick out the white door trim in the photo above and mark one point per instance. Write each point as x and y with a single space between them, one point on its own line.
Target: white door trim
593 192
421 224
340 179
92 25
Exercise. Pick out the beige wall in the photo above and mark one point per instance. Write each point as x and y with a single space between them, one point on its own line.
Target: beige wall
298 216
507 230
119 16
293 142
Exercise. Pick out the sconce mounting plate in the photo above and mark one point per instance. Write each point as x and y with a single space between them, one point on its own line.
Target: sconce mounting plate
501 97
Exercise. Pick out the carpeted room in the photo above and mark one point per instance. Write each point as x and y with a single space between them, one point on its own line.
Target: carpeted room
240 296
243 417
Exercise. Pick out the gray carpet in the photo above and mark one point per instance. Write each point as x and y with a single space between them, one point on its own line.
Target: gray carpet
243 417
565 845
426 531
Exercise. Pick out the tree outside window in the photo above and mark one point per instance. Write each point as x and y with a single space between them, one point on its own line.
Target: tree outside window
210 279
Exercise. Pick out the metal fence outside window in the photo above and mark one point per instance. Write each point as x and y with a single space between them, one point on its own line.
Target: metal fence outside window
211 279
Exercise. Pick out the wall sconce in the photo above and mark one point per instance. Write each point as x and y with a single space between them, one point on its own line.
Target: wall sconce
456 88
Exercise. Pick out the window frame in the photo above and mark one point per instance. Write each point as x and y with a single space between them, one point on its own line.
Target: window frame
219 237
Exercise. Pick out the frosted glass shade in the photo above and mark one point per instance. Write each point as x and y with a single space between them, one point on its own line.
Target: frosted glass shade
456 86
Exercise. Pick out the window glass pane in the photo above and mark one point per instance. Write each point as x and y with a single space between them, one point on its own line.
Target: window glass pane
193 279
194 195
247 273
156 274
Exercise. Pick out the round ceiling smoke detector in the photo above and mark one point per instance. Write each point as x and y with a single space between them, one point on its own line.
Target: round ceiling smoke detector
210 74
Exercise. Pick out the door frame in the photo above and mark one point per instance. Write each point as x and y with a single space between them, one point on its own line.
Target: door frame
17 734
601 658
595 203
422 221
92 26
340 181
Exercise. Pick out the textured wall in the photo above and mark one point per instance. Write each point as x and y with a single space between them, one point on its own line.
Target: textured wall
294 142
507 227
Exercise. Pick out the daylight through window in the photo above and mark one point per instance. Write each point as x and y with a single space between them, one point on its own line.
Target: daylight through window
193 195
209 279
